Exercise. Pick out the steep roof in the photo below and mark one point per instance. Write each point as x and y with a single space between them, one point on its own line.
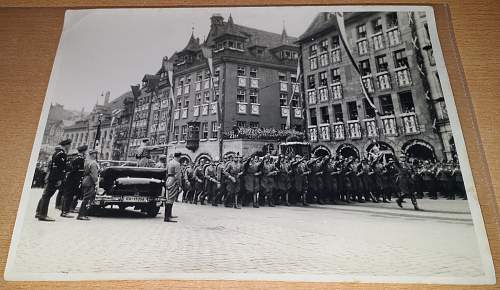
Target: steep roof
321 22
193 44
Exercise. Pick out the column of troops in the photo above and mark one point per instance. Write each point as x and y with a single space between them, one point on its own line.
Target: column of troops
283 180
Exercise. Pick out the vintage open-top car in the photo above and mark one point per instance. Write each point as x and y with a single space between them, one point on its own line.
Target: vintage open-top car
125 186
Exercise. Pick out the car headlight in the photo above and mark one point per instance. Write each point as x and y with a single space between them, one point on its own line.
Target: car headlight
100 191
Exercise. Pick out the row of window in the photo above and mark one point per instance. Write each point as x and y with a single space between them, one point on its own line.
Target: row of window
204 131
386 107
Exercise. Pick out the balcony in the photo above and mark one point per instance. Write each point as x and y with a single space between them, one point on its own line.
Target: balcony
216 82
186 89
254 83
354 129
389 125
206 84
337 91
204 109
410 123
184 113
311 96
297 112
324 132
313 134
394 36
323 94
384 81
371 127
378 41
255 109
368 83
241 108
213 108
196 111
242 81
177 114
197 86
283 86
285 111
338 131
403 76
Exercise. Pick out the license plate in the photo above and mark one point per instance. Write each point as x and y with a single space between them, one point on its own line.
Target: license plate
135 199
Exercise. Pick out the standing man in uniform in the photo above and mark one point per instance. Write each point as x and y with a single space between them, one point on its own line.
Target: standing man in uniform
89 183
73 181
173 186
55 177
232 172
405 184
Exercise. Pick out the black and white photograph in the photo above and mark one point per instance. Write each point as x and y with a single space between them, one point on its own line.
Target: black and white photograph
294 143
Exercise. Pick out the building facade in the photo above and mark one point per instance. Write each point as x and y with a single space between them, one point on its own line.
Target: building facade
254 81
340 119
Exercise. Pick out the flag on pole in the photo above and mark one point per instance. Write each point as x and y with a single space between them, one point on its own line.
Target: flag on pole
339 16
168 66
289 117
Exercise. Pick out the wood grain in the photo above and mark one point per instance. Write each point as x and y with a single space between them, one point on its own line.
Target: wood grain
28 43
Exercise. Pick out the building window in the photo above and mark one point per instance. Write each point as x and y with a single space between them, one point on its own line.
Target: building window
254 96
199 76
240 71
293 78
369 110
283 99
323 59
240 95
406 100
323 79
183 132
312 115
295 101
382 64
206 97
335 42
282 77
241 124
313 63
377 25
323 46
215 130
311 82
197 99
186 102
325 116
392 20
335 75
253 72
400 59
254 125
204 130
176 133
386 104
179 103
337 111
352 109
364 66
313 50
361 29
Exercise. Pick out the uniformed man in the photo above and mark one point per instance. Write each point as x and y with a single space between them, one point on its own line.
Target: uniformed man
55 177
331 179
459 182
211 182
188 182
73 181
232 173
199 181
268 180
162 162
284 181
404 183
368 180
172 186
89 183
252 178
380 187
316 178
220 191
301 174
145 160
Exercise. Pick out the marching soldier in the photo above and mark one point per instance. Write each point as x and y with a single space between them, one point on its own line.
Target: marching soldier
404 183
459 182
220 191
89 183
331 179
54 179
188 183
211 183
379 171
316 165
199 181
301 174
73 181
284 182
367 180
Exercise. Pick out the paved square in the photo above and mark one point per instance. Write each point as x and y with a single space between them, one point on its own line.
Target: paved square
361 239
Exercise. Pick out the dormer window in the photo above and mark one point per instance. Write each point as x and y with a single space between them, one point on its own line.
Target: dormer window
377 25
260 51
240 71
335 42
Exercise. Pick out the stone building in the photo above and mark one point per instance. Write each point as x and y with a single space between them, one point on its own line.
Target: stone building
254 79
340 119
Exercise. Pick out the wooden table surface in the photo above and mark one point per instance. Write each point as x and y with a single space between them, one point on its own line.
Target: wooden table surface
28 42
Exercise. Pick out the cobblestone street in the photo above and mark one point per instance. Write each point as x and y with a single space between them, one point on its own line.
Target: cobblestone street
361 239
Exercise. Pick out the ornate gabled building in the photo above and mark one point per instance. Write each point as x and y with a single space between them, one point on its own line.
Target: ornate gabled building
254 81
385 48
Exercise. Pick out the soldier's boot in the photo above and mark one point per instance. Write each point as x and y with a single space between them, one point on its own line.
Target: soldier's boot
256 200
236 205
168 214
304 199
399 201
286 200
270 201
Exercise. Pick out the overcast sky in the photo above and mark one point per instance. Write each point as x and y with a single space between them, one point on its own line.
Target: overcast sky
103 50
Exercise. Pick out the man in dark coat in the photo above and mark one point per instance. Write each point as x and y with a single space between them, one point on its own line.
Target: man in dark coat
404 183
89 183
55 178
73 181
